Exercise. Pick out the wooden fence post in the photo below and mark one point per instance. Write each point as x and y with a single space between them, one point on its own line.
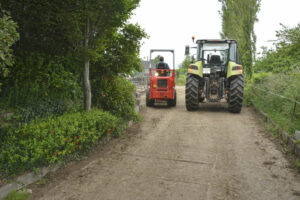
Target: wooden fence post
294 110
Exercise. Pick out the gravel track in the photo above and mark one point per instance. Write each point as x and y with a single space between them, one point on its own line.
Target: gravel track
208 154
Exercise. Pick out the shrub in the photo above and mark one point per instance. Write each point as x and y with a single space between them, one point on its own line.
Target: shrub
115 95
48 141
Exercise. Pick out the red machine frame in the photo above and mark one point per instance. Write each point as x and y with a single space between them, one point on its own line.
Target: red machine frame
161 83
162 93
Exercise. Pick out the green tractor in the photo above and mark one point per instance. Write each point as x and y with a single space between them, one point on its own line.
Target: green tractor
215 75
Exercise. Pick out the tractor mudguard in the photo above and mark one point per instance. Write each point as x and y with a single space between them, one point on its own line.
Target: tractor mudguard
234 69
196 68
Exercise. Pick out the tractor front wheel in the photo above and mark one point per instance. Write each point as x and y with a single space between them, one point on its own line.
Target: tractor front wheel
191 92
236 94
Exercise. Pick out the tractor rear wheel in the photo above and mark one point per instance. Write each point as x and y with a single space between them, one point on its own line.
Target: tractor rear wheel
191 92
149 102
172 102
236 94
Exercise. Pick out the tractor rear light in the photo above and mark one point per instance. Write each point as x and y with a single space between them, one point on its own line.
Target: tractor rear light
194 67
154 86
237 68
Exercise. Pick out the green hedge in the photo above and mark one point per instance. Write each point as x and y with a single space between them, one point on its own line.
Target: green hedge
52 140
275 94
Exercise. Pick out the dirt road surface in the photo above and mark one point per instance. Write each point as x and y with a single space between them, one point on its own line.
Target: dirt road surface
208 154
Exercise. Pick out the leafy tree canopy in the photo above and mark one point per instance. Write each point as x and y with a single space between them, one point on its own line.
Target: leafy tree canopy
8 36
286 55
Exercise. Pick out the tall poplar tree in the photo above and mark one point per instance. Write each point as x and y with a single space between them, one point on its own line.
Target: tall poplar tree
238 19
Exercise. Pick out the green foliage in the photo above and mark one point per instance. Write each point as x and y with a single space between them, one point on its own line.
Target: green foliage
156 59
91 30
116 95
297 164
180 78
36 76
97 21
286 56
275 94
40 86
17 195
275 87
182 71
185 64
260 77
238 19
52 140
39 109
120 53
8 35
44 86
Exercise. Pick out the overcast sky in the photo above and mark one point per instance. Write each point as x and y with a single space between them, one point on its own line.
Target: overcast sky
171 23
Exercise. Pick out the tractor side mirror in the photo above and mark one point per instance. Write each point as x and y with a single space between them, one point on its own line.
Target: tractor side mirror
187 50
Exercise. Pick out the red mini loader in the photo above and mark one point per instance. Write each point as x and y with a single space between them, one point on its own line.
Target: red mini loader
161 86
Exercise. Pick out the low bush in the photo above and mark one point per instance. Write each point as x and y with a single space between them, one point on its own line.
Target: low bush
52 140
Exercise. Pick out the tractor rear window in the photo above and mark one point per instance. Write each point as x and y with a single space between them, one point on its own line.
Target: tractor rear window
215 47
215 57
214 53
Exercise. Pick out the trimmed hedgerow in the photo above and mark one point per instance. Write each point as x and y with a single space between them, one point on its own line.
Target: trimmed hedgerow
52 140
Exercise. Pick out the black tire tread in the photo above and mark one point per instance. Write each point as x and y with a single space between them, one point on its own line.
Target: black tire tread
235 101
172 102
149 102
191 93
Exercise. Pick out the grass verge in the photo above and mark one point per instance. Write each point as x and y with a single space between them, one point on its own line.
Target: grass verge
17 195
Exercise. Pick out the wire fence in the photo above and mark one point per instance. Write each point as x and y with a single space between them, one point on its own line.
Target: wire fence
278 95
294 102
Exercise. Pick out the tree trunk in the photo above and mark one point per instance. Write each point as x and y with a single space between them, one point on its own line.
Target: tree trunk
87 85
86 72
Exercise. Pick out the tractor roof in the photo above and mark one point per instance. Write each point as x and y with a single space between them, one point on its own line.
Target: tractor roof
215 41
